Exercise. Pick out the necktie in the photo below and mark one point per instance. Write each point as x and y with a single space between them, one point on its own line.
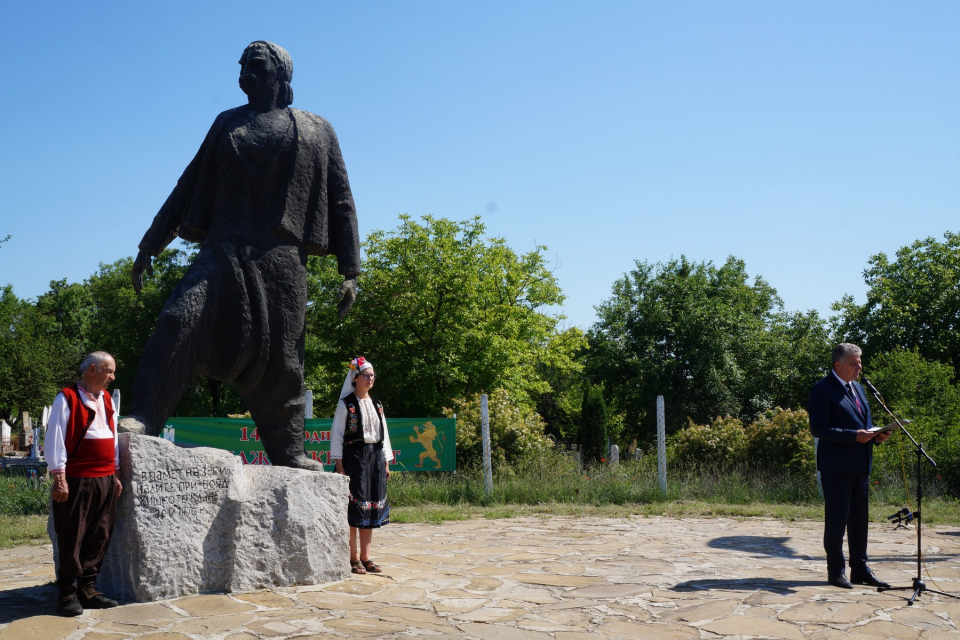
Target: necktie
855 398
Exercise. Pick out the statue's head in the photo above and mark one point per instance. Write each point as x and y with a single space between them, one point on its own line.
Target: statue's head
264 64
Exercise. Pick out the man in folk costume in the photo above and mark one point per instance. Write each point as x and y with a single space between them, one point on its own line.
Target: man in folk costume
83 457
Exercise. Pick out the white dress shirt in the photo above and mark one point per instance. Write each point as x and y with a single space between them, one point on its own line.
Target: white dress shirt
371 430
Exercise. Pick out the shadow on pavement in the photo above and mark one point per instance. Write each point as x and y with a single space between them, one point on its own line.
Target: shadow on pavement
748 584
763 545
26 602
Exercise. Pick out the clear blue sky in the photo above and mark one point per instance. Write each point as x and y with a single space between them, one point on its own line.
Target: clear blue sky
800 137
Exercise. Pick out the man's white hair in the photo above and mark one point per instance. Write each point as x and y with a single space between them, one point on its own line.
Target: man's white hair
844 350
96 358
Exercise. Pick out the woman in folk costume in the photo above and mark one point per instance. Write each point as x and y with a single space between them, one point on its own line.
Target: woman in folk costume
360 448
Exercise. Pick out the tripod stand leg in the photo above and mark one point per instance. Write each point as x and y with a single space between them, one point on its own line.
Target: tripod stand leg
914 596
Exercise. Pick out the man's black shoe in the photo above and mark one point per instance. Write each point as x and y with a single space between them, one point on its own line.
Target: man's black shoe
868 579
69 606
96 601
840 581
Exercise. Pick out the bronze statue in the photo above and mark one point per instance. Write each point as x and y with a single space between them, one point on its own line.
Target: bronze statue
267 188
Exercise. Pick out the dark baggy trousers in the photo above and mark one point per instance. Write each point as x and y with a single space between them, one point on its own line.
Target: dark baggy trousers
845 508
237 316
83 524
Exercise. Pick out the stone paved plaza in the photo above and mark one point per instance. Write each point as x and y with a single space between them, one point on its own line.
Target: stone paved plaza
538 578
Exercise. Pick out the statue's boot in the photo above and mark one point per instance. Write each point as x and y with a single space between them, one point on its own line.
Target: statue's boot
304 463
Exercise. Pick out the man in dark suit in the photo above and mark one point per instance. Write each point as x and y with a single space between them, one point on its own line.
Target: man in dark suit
840 417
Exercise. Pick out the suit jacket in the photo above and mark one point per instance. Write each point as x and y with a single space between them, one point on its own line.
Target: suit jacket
315 210
834 419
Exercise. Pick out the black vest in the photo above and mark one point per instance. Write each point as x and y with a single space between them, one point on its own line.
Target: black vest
353 430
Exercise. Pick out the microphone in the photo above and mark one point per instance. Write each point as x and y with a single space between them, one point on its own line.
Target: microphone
904 515
869 386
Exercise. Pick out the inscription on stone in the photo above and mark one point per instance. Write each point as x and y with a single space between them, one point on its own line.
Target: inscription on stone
180 492
196 520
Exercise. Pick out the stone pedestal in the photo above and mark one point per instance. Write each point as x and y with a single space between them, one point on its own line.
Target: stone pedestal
199 521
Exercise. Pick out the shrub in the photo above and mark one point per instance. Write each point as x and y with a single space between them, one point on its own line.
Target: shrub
515 430
720 444
20 496
780 439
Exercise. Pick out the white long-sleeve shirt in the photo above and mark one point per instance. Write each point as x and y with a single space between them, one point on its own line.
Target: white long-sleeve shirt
371 431
54 449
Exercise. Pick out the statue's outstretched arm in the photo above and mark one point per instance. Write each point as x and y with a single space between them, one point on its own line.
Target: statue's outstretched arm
347 295
344 239
166 224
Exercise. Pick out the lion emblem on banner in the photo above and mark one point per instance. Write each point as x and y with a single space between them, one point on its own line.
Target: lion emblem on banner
426 438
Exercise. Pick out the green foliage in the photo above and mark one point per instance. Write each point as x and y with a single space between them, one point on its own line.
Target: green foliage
718 445
546 477
20 496
913 302
516 431
561 368
102 313
443 313
550 478
780 439
706 339
926 393
593 424
35 359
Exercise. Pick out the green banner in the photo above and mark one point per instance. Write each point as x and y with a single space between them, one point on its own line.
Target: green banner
419 444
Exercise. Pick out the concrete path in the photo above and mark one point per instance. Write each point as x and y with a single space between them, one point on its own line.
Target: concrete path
532 578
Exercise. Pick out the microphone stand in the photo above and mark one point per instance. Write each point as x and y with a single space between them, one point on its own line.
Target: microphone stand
919 586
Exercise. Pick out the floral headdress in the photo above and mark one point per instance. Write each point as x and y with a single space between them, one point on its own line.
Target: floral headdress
356 366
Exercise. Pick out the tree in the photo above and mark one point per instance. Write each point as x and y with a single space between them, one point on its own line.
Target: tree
707 340
913 302
561 368
70 310
443 313
35 360
593 424
925 392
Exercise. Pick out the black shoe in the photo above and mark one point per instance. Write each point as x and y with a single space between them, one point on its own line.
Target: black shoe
96 601
69 606
866 577
840 581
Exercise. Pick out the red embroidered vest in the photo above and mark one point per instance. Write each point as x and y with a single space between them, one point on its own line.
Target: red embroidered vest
87 458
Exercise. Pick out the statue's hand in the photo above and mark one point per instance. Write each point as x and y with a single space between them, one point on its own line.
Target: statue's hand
347 296
141 264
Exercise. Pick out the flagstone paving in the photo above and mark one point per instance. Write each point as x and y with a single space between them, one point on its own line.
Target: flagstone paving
541 578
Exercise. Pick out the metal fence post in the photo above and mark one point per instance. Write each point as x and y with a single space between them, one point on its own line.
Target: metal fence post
308 405
661 445
485 429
